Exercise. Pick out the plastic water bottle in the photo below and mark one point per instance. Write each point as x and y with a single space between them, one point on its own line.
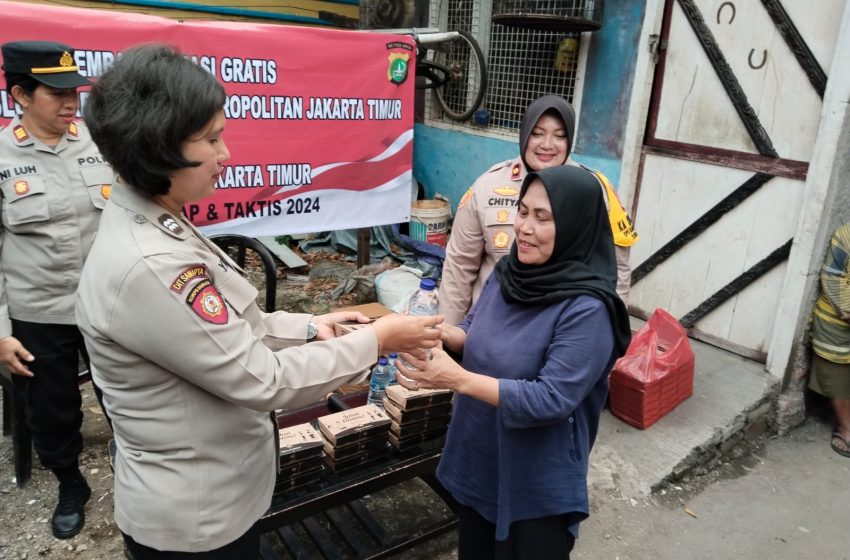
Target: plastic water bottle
423 302
392 367
378 385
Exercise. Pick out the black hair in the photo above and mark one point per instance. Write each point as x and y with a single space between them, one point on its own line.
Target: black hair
27 82
144 107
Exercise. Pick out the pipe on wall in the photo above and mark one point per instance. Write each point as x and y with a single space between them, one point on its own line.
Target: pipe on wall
226 10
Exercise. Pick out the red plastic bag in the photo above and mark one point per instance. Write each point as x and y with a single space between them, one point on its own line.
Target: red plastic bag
655 374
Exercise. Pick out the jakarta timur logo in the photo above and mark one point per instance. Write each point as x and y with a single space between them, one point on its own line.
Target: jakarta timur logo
397 70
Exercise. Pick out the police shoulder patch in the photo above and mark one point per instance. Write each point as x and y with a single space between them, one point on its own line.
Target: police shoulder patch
207 303
187 275
73 130
466 196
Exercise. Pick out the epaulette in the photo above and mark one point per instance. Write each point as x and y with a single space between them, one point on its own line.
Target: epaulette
500 165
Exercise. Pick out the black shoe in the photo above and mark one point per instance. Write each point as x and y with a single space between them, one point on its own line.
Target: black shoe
70 513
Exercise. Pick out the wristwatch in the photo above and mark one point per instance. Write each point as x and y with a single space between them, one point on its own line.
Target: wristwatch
312 330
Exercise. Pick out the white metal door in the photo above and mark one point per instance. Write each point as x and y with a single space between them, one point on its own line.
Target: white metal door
733 119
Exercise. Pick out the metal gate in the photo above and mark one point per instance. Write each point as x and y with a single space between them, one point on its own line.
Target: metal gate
733 118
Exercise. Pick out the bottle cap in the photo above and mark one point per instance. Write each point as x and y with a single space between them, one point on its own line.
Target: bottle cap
393 355
383 361
427 284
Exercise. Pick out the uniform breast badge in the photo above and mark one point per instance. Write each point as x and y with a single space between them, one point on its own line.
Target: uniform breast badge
21 187
501 240
506 190
502 216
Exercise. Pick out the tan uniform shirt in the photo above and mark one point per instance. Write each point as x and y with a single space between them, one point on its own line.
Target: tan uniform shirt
190 368
51 204
483 232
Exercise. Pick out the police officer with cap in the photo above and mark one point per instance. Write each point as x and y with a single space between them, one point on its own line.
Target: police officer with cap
53 185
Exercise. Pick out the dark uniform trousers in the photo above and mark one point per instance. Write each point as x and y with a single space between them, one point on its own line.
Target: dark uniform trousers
545 538
52 397
246 547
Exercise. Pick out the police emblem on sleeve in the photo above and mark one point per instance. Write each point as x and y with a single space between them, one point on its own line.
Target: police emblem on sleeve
466 196
207 303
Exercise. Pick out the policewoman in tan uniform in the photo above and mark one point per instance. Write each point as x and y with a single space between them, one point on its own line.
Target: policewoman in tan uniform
482 231
189 366
54 184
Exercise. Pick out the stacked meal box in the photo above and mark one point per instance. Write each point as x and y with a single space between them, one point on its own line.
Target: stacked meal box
354 437
301 457
417 416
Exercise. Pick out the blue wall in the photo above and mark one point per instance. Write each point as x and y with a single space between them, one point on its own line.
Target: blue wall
448 161
611 59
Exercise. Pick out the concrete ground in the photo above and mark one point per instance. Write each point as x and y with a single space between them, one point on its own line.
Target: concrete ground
788 500
709 481
668 492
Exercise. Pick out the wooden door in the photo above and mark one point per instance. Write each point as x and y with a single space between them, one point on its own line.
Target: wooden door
733 119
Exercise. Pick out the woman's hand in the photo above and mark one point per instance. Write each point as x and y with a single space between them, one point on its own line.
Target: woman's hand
442 372
439 372
453 337
11 354
325 323
403 333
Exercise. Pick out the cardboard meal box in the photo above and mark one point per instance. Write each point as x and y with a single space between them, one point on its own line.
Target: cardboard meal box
404 417
301 467
299 442
354 424
361 446
405 430
359 460
297 481
371 310
411 441
405 399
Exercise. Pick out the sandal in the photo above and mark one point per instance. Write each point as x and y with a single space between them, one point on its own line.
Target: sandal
836 435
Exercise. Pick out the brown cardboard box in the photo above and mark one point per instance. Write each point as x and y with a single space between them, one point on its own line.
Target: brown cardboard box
371 310
404 417
299 442
410 441
360 459
354 424
405 399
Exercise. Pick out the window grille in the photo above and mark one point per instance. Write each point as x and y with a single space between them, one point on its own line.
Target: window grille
523 64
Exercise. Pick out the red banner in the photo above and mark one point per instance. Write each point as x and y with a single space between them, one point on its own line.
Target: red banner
319 122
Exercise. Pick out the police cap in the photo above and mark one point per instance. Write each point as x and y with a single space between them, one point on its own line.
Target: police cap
50 63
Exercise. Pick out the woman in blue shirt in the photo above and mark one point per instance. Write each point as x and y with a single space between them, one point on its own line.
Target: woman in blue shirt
537 348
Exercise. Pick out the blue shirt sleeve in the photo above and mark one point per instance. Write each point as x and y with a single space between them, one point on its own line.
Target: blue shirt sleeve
578 356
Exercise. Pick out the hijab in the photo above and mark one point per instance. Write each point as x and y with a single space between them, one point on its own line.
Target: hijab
546 104
582 260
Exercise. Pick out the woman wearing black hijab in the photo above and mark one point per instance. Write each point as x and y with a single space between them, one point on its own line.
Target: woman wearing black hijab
537 348
482 229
